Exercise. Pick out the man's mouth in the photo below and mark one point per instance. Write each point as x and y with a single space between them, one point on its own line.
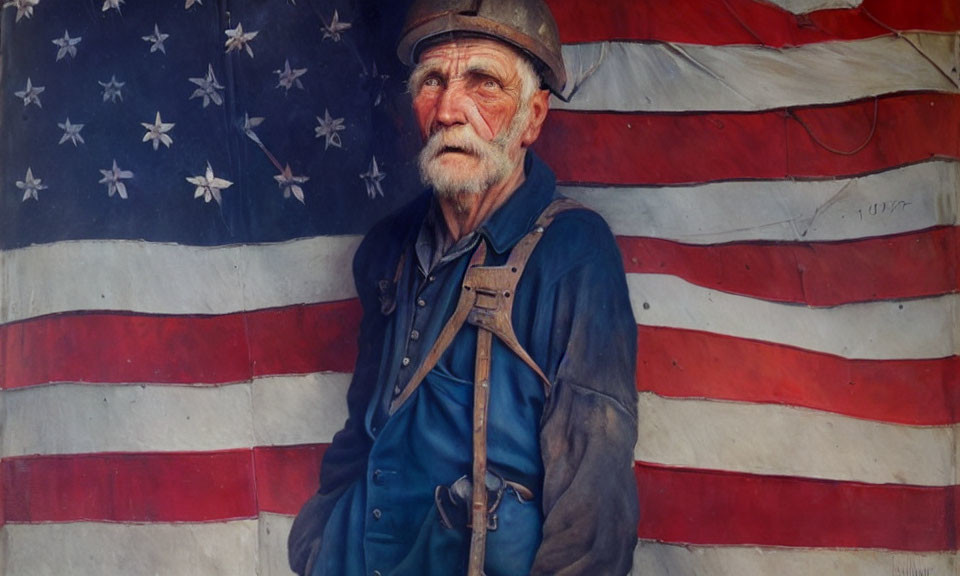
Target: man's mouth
453 150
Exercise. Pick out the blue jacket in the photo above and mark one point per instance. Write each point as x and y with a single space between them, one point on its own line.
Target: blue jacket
375 511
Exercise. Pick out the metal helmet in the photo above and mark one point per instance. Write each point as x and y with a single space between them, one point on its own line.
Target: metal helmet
525 24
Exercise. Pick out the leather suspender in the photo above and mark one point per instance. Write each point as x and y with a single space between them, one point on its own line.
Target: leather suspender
486 301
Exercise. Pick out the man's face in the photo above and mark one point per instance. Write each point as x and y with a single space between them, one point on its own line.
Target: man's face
468 100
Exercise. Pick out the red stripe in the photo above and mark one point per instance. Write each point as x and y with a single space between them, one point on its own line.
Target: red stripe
652 148
287 476
710 507
125 348
686 363
819 274
678 505
169 487
717 22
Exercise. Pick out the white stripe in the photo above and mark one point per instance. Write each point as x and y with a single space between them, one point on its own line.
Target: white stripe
659 559
761 439
95 549
172 279
906 199
789 441
76 419
919 328
84 418
642 77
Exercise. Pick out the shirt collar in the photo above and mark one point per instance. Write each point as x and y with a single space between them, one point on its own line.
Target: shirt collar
516 217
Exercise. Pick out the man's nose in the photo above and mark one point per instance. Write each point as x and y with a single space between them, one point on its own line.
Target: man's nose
452 105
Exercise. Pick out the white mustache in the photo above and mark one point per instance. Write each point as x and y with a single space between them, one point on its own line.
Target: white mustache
462 138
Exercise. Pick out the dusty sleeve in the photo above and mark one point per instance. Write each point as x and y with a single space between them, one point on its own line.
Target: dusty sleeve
589 424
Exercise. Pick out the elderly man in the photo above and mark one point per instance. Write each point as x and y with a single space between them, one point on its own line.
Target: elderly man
492 413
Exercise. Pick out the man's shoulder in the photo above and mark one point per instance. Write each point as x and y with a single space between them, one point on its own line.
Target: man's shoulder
579 233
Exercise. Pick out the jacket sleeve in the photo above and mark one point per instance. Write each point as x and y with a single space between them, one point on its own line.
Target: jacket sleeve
345 460
589 424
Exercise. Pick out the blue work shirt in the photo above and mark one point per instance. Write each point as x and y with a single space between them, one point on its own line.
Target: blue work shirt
571 445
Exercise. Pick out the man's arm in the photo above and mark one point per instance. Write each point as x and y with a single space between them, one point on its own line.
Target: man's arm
589 425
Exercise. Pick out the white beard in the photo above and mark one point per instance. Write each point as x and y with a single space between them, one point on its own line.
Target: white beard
494 166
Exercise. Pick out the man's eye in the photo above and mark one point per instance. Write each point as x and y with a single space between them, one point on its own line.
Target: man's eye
489 84
431 82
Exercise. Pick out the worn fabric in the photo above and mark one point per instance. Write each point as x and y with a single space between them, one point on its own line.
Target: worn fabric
573 446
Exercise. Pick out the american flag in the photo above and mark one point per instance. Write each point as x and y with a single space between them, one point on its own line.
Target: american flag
184 183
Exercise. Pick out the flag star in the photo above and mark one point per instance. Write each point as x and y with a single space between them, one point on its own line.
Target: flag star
290 184
71 132
191 3
238 40
108 4
156 40
67 45
327 127
374 82
113 179
24 7
31 94
209 186
207 88
372 178
157 132
30 186
111 89
335 27
287 78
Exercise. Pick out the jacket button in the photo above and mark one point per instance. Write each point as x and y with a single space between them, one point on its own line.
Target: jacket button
421 302
377 514
415 335
405 362
376 573
378 477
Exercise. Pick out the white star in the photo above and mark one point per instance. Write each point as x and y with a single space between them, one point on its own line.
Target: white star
30 186
287 77
238 40
327 127
372 178
191 3
207 88
156 40
111 89
108 4
209 186
67 45
71 132
24 7
335 28
112 178
291 184
158 132
31 94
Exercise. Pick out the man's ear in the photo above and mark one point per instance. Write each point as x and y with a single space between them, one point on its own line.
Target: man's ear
539 106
